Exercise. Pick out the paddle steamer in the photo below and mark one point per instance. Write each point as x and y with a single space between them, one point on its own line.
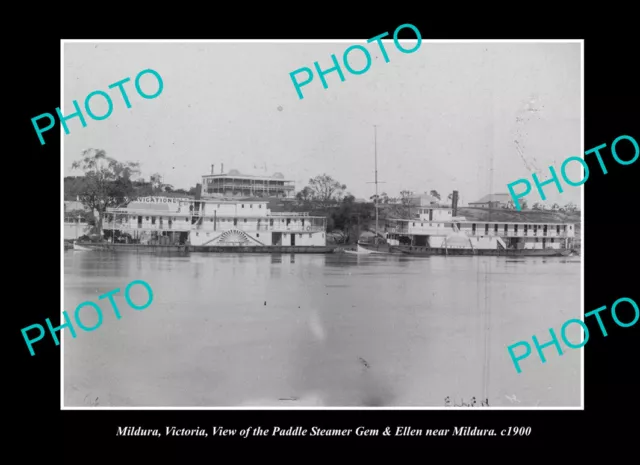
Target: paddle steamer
213 225
439 231
436 231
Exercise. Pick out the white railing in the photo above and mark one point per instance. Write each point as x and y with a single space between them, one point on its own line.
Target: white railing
175 226
295 228
512 233
208 227
293 214
308 228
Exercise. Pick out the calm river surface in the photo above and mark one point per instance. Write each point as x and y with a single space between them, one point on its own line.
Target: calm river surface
340 330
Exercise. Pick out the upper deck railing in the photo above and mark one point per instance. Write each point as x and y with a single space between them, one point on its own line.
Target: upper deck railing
181 226
292 214
512 229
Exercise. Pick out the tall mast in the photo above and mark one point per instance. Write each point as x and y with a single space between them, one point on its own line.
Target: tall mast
375 151
376 182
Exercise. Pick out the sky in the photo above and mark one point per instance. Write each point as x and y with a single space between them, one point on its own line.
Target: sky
471 117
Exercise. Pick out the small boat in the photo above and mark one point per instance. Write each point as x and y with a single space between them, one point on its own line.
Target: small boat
371 249
79 247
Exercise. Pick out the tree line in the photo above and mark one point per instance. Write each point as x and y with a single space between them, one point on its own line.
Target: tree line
109 183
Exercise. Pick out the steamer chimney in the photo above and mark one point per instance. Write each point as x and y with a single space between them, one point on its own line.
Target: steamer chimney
222 169
454 203
211 169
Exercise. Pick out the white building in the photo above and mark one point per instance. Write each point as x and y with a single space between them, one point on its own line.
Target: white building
236 185
74 224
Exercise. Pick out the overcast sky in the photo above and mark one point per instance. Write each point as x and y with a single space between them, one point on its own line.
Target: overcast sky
446 114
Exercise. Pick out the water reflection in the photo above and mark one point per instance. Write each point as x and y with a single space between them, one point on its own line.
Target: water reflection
334 329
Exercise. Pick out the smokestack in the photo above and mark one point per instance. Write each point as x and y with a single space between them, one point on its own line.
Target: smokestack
211 169
198 191
454 203
222 169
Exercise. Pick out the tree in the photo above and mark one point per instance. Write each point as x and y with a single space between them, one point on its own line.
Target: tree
382 198
435 194
510 205
107 182
326 189
536 206
305 194
406 198
157 184
555 207
570 207
523 205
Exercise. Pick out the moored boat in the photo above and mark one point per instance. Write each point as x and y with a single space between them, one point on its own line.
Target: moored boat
439 231
76 246
371 249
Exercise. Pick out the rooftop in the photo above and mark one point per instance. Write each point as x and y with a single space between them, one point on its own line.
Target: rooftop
237 174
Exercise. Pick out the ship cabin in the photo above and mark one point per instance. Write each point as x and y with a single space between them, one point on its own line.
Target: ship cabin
436 227
171 221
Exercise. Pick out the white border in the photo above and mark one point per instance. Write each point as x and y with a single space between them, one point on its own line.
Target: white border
289 41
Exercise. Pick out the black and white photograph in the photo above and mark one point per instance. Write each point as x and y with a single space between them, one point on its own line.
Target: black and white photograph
265 224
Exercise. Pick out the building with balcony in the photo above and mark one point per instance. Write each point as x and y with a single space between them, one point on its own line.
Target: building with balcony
74 224
213 222
237 185
435 226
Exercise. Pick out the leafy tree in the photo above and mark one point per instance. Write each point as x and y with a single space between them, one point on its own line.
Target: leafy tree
523 205
555 207
536 206
107 182
305 195
326 189
435 194
157 184
570 207
406 198
450 197
73 187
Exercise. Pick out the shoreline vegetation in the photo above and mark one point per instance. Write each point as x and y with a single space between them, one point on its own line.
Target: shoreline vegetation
107 182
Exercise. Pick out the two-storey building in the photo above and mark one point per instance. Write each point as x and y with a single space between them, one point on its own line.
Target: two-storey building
235 185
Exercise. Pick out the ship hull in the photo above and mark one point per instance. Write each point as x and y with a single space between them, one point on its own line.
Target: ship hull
428 251
148 248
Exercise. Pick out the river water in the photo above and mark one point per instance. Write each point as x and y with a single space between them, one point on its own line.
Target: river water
334 330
